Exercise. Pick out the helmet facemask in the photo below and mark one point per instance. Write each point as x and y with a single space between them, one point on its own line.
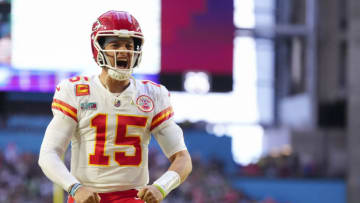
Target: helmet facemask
122 67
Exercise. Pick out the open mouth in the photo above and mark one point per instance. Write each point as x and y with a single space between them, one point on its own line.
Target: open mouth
122 63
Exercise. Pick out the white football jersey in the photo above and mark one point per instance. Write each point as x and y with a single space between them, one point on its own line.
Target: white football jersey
109 150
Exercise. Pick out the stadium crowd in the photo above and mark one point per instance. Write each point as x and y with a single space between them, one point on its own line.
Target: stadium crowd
282 166
21 180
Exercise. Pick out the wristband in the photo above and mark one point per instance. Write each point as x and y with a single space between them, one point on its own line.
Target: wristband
74 188
160 189
167 182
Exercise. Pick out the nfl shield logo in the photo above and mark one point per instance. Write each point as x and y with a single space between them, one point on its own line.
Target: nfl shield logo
117 103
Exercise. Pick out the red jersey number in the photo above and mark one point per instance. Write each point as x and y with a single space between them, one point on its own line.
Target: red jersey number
99 122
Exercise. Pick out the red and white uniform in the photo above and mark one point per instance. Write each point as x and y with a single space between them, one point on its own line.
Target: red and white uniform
109 149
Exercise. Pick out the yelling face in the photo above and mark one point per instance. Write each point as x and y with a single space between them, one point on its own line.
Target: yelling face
118 51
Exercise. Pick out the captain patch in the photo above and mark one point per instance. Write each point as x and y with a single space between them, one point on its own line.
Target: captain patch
82 90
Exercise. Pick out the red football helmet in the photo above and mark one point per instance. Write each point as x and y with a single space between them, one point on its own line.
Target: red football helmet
116 24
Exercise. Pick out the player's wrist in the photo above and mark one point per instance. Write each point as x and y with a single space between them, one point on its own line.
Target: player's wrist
72 190
167 182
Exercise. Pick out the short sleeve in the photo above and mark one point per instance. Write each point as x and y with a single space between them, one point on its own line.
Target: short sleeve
163 110
64 102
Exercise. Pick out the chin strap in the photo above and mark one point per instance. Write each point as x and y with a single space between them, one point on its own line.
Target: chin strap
119 74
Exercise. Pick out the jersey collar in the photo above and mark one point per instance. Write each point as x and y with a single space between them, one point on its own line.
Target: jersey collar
129 92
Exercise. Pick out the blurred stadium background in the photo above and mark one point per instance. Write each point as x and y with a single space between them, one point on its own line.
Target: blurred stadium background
267 92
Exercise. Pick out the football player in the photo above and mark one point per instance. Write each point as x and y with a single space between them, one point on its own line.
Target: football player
108 119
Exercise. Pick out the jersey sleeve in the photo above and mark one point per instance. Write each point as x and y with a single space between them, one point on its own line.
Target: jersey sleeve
163 110
64 102
170 139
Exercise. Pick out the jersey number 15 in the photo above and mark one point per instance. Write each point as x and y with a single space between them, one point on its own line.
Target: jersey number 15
122 138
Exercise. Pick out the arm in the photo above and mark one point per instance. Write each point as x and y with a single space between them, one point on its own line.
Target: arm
181 163
56 140
171 141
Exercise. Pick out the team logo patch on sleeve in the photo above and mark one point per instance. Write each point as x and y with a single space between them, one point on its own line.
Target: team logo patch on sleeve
82 90
145 103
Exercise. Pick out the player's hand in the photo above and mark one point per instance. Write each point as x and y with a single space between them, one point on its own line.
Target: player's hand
86 195
150 194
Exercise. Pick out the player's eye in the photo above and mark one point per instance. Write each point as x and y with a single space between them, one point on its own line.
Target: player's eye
114 46
129 46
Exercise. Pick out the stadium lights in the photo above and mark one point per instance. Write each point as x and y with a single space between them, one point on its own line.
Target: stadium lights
197 82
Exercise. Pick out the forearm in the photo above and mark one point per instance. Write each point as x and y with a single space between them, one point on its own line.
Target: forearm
181 164
171 141
177 173
55 169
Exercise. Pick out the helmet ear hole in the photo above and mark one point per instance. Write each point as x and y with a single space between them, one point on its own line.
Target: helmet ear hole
137 44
